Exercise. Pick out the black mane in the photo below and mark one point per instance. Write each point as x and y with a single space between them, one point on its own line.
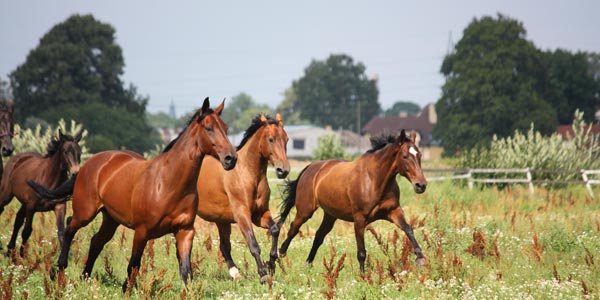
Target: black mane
380 141
55 143
174 141
256 124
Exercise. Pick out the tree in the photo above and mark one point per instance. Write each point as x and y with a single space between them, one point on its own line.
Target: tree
78 66
494 85
408 107
334 91
240 110
287 108
572 84
5 93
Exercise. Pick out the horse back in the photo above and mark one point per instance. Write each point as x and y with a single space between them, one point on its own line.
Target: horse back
23 167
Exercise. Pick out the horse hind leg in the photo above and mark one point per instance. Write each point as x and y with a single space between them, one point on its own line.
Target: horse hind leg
324 229
184 238
140 239
301 217
29 213
397 217
266 221
5 198
99 240
225 248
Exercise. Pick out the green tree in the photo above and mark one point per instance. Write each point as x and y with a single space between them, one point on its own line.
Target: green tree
408 107
332 92
572 84
287 108
162 120
240 110
76 67
494 85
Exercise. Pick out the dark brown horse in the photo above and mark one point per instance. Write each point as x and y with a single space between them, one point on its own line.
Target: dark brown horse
360 191
7 124
153 197
242 195
52 169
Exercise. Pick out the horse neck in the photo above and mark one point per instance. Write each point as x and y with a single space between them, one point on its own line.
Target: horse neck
184 158
53 163
381 165
251 159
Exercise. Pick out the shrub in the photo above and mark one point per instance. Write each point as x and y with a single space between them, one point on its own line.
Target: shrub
329 147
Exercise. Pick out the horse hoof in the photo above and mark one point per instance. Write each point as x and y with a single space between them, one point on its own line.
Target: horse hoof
264 278
281 254
234 273
309 264
421 262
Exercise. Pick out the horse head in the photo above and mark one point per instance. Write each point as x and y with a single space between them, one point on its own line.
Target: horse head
213 135
6 127
70 151
273 144
408 161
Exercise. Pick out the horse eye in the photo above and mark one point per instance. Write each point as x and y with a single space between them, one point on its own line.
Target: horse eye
271 140
209 128
405 156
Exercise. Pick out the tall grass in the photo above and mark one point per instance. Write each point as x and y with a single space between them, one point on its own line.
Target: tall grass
488 243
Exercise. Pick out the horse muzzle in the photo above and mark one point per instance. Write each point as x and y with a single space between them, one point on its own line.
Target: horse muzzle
229 162
282 172
7 150
420 187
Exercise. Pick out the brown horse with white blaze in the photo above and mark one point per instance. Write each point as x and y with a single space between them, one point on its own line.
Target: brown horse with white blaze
242 195
360 191
62 158
153 197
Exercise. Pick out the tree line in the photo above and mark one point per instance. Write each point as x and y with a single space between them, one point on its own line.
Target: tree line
497 82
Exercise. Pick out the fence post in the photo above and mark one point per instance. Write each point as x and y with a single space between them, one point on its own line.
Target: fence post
470 179
529 180
588 186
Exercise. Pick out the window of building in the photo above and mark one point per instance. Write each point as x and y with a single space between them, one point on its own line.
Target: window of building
298 144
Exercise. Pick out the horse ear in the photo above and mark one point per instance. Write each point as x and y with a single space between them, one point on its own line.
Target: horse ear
263 118
11 106
413 136
402 138
61 136
279 120
205 106
78 135
219 109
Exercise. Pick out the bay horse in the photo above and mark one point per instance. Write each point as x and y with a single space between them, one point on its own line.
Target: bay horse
242 195
7 127
359 191
153 197
62 158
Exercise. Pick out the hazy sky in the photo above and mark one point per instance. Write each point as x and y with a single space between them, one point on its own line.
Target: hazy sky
183 51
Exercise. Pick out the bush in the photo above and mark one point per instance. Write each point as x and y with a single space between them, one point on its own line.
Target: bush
33 140
535 151
329 147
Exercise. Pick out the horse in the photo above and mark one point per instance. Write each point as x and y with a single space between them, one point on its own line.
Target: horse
62 158
242 195
153 197
359 191
7 124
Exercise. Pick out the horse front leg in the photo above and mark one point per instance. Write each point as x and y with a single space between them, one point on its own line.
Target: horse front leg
359 231
19 219
266 221
140 239
245 223
5 198
29 213
324 229
184 239
396 216
59 211
225 247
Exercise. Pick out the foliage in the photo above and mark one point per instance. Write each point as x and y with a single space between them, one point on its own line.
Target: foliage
408 107
494 85
75 69
5 92
238 112
110 127
37 139
536 151
572 84
162 120
329 147
288 110
332 92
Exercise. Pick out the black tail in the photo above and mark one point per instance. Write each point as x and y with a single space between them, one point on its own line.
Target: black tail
289 199
59 194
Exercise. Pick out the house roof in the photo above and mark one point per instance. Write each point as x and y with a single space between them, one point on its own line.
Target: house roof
566 131
422 123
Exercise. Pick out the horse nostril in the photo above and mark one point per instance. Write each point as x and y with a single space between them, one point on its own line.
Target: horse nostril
229 162
281 173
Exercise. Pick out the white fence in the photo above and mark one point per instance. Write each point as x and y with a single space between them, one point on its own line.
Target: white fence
587 177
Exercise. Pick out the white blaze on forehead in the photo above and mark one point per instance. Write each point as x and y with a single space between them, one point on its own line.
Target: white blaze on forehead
412 151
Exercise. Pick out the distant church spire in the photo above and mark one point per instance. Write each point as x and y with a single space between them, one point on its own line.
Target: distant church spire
172 110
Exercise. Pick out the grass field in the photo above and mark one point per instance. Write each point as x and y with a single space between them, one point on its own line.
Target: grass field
480 244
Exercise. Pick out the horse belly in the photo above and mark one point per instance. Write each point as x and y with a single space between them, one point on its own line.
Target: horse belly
333 199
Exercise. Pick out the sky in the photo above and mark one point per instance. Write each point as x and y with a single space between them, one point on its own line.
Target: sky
184 51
